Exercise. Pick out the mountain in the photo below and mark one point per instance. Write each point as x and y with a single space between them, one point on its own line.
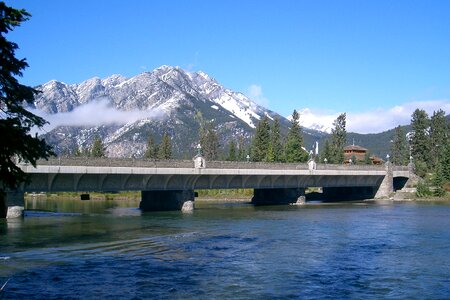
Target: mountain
168 99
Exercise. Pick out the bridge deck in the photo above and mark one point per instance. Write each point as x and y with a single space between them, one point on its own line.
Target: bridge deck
120 174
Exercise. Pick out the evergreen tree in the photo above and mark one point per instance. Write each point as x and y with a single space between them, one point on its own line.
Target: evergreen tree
338 140
152 150
241 149
261 140
165 148
438 182
326 152
232 151
294 150
16 143
209 142
275 150
367 160
445 162
399 148
98 149
420 141
438 137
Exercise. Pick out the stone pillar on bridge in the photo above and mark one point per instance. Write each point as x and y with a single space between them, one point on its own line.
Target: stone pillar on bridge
12 204
387 185
167 200
277 196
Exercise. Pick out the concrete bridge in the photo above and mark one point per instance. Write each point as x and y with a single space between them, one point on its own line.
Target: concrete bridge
167 185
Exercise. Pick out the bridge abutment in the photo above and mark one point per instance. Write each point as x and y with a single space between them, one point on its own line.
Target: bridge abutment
167 200
277 196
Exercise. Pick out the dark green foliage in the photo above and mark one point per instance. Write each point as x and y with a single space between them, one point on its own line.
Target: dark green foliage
326 152
242 152
15 121
208 138
261 140
338 140
209 142
367 160
423 190
294 151
232 151
438 137
420 168
438 182
275 151
165 148
152 149
420 140
98 149
445 162
399 148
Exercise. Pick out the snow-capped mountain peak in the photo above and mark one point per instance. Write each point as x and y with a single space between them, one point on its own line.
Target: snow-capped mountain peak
176 93
315 121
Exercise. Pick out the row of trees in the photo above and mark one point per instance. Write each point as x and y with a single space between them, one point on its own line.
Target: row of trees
333 149
269 145
161 151
426 144
96 150
430 148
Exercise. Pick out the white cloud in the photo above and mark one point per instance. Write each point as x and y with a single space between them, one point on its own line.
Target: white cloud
384 119
96 113
254 92
373 121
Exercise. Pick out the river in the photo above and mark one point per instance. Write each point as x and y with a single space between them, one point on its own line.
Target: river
107 249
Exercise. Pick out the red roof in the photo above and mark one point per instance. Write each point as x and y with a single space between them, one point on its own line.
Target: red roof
354 147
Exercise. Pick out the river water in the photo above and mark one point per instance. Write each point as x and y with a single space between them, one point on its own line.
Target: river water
104 249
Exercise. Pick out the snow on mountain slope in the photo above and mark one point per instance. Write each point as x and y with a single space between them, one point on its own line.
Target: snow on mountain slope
180 96
316 121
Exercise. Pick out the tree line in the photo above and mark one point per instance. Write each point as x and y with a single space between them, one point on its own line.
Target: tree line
429 150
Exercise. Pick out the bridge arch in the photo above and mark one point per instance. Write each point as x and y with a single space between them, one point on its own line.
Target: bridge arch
399 182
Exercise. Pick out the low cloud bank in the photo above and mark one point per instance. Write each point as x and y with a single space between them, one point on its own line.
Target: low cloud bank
374 121
96 113
255 93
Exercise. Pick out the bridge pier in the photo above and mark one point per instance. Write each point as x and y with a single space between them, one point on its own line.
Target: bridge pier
167 200
277 196
12 204
387 185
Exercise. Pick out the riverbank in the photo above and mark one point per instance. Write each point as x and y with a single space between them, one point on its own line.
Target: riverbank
235 195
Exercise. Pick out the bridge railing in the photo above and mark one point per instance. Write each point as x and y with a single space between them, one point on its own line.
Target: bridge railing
144 163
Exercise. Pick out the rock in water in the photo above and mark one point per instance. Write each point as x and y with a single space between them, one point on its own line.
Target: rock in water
300 200
188 207
15 212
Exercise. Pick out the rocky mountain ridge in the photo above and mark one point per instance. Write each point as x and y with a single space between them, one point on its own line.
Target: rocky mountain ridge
168 99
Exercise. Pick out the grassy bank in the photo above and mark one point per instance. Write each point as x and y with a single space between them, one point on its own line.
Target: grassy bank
220 194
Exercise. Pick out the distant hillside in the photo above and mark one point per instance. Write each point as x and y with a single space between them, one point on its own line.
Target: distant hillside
378 143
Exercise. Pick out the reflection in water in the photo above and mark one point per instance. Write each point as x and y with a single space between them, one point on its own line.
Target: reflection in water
107 249
77 205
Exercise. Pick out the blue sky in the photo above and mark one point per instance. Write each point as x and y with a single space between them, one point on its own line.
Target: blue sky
358 57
